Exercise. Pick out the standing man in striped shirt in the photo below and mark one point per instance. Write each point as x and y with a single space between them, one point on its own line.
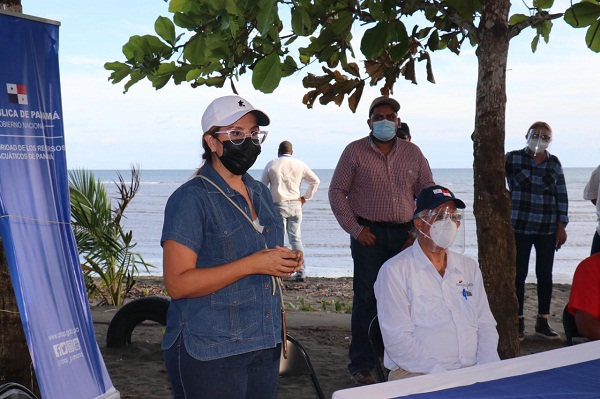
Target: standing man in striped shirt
540 213
372 194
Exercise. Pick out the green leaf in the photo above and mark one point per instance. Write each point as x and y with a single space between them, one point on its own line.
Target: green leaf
422 34
546 28
592 37
375 40
155 45
517 18
543 4
534 43
305 54
133 49
136 76
180 73
376 9
465 8
164 28
166 68
434 41
185 21
301 22
120 71
158 82
193 74
180 5
288 67
266 16
194 51
582 14
267 74
343 23
233 7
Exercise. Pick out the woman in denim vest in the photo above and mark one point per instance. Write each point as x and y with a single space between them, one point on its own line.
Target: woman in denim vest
223 259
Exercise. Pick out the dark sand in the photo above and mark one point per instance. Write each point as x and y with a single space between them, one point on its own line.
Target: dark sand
137 371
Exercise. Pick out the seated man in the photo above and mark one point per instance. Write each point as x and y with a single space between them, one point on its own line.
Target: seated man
584 301
432 306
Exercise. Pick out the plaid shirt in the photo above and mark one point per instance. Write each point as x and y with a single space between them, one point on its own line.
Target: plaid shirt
368 184
538 192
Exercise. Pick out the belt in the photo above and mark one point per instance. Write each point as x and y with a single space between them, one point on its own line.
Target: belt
385 225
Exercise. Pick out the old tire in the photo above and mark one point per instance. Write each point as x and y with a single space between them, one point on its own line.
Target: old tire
152 308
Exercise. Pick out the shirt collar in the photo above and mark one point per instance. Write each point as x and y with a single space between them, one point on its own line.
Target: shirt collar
374 146
423 262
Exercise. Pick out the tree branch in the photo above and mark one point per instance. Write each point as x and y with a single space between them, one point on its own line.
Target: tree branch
455 18
514 30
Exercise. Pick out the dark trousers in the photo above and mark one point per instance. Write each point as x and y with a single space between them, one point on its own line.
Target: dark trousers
544 260
367 262
252 375
596 244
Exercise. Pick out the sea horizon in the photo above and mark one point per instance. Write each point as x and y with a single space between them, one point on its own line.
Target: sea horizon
327 246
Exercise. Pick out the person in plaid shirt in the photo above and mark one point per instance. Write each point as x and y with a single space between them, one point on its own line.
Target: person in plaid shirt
372 195
539 218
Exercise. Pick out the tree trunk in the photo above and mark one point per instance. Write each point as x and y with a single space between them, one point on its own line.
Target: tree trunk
11 5
15 362
492 206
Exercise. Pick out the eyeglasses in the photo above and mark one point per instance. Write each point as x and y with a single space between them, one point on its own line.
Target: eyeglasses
456 216
544 137
237 137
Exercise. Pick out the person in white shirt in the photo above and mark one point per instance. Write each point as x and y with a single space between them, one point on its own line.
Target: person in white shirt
284 176
431 303
592 192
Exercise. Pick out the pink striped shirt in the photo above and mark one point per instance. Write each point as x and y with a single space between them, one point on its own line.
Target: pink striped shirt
368 184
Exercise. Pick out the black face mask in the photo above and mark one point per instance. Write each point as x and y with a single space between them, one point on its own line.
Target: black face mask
239 158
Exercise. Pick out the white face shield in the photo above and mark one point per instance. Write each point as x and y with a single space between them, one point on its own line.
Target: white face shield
446 229
538 140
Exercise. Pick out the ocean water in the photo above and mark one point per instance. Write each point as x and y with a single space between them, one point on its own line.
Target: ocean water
326 245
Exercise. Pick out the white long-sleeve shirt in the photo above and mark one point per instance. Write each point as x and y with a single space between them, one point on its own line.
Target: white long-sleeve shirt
592 191
431 323
284 175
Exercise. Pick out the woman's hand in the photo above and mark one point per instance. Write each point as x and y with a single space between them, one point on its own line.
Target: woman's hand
184 280
278 262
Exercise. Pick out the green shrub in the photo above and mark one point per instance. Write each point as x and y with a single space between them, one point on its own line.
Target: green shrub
109 264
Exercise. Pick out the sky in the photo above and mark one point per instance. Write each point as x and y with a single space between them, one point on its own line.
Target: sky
106 129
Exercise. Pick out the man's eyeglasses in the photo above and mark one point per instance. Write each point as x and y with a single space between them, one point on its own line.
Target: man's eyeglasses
237 137
544 137
455 216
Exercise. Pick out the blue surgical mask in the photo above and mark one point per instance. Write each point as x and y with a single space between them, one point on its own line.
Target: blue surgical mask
384 130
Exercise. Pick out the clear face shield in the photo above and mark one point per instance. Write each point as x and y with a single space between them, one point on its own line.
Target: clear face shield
538 140
446 229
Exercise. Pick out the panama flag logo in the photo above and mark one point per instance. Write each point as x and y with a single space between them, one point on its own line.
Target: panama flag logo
17 94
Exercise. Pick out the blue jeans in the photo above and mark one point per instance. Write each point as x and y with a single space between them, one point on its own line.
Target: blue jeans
252 375
291 213
544 260
595 244
367 262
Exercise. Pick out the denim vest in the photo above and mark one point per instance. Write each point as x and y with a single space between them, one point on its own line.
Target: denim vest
244 316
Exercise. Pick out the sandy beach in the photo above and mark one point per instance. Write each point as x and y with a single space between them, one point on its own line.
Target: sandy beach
316 316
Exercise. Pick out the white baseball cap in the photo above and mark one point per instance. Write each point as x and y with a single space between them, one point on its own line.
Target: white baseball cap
224 111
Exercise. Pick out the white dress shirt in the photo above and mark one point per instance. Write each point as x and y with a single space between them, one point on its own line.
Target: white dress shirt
592 191
284 175
431 323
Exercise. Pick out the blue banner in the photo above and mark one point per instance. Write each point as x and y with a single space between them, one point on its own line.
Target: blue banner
35 215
